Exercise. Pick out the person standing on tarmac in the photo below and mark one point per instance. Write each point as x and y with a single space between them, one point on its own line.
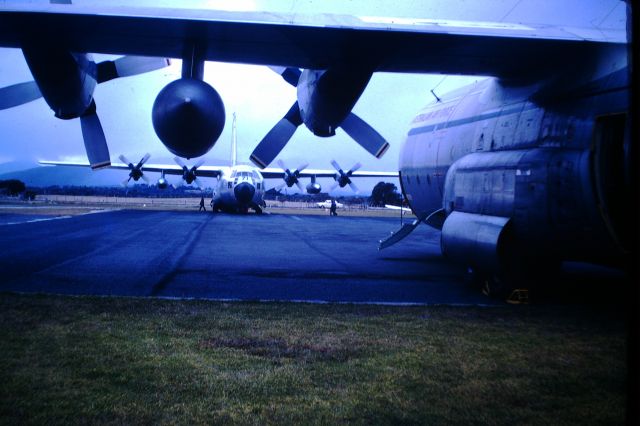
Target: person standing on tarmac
202 204
332 210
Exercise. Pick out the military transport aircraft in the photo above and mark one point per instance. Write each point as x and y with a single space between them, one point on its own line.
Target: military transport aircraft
521 170
239 187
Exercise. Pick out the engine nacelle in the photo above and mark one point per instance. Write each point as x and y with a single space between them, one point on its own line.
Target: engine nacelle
313 188
475 240
326 97
188 116
66 80
162 183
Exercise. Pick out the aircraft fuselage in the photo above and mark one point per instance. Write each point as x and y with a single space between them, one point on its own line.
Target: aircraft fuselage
239 189
537 171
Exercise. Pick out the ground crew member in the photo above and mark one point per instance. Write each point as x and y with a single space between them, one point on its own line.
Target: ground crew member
332 210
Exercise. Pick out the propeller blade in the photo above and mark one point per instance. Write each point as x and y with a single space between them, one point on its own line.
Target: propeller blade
271 145
282 165
128 66
354 168
353 187
365 135
301 167
179 162
198 164
299 186
125 160
125 182
290 75
145 178
336 166
95 142
279 187
144 159
199 183
334 186
18 94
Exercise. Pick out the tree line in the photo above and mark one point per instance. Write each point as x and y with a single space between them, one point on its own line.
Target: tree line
382 193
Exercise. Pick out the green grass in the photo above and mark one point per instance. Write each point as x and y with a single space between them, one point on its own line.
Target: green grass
139 361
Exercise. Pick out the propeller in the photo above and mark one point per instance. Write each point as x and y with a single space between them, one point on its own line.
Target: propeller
135 171
274 141
94 139
18 94
361 132
189 174
364 135
291 177
344 178
271 145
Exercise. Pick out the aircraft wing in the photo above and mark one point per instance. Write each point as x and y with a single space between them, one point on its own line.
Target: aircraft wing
275 173
316 41
168 169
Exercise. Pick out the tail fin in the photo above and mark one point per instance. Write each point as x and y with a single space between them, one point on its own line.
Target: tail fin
234 143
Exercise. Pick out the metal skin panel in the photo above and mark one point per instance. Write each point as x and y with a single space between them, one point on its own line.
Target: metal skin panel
527 153
473 239
546 191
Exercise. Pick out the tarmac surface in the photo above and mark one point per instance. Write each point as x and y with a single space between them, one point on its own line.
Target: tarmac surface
275 257
293 256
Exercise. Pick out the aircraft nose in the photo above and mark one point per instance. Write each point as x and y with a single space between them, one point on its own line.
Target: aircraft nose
244 192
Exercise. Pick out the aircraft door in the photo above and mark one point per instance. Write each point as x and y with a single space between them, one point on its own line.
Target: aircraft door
611 163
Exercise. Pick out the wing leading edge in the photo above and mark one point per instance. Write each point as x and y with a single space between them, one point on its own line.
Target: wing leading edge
216 171
169 169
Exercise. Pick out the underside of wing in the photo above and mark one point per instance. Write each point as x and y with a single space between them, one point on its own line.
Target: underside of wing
311 42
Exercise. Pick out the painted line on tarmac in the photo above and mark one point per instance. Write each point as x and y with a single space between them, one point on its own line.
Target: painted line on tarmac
296 218
57 217
35 220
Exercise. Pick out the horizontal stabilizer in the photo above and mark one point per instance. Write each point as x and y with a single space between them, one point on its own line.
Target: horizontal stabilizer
365 135
18 94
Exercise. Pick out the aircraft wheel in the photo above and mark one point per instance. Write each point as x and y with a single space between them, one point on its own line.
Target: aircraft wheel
490 283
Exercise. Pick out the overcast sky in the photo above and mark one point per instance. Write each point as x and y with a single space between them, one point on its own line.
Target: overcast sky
260 97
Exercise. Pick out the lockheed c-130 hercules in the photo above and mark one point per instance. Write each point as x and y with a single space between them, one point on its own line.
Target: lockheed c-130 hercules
521 170
238 187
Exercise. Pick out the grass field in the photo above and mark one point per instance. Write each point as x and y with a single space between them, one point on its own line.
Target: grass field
138 361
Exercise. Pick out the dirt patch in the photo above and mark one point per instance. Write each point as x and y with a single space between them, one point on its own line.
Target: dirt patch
276 349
